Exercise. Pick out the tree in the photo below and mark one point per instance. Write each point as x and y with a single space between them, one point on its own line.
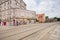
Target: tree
46 17
55 17
58 19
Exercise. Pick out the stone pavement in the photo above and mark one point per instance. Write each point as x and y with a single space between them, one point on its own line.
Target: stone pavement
55 35
18 32
46 34
41 34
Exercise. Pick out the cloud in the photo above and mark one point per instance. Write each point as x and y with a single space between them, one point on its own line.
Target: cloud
30 4
49 7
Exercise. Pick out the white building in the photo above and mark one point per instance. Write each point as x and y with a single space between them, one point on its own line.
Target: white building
15 9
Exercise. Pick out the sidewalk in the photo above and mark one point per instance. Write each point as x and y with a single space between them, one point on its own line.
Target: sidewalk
27 25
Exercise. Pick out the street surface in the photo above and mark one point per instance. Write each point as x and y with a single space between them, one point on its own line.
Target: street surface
55 35
52 34
38 31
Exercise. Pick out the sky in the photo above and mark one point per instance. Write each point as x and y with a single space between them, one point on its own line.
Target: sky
50 8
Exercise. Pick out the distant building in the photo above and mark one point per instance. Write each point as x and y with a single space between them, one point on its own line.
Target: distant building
15 9
41 17
51 20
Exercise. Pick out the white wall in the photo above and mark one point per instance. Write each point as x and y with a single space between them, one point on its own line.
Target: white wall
25 13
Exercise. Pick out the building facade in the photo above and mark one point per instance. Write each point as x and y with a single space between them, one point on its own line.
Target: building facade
41 17
15 10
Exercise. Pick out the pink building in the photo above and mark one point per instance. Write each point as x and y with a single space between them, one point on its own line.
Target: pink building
41 17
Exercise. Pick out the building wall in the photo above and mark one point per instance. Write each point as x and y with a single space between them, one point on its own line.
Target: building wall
7 14
18 13
7 5
18 4
12 4
15 9
41 17
25 13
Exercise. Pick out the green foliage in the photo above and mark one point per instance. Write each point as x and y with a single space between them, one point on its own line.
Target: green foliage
58 19
46 17
55 17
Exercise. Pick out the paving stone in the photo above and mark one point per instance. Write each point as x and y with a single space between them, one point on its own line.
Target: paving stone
55 35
